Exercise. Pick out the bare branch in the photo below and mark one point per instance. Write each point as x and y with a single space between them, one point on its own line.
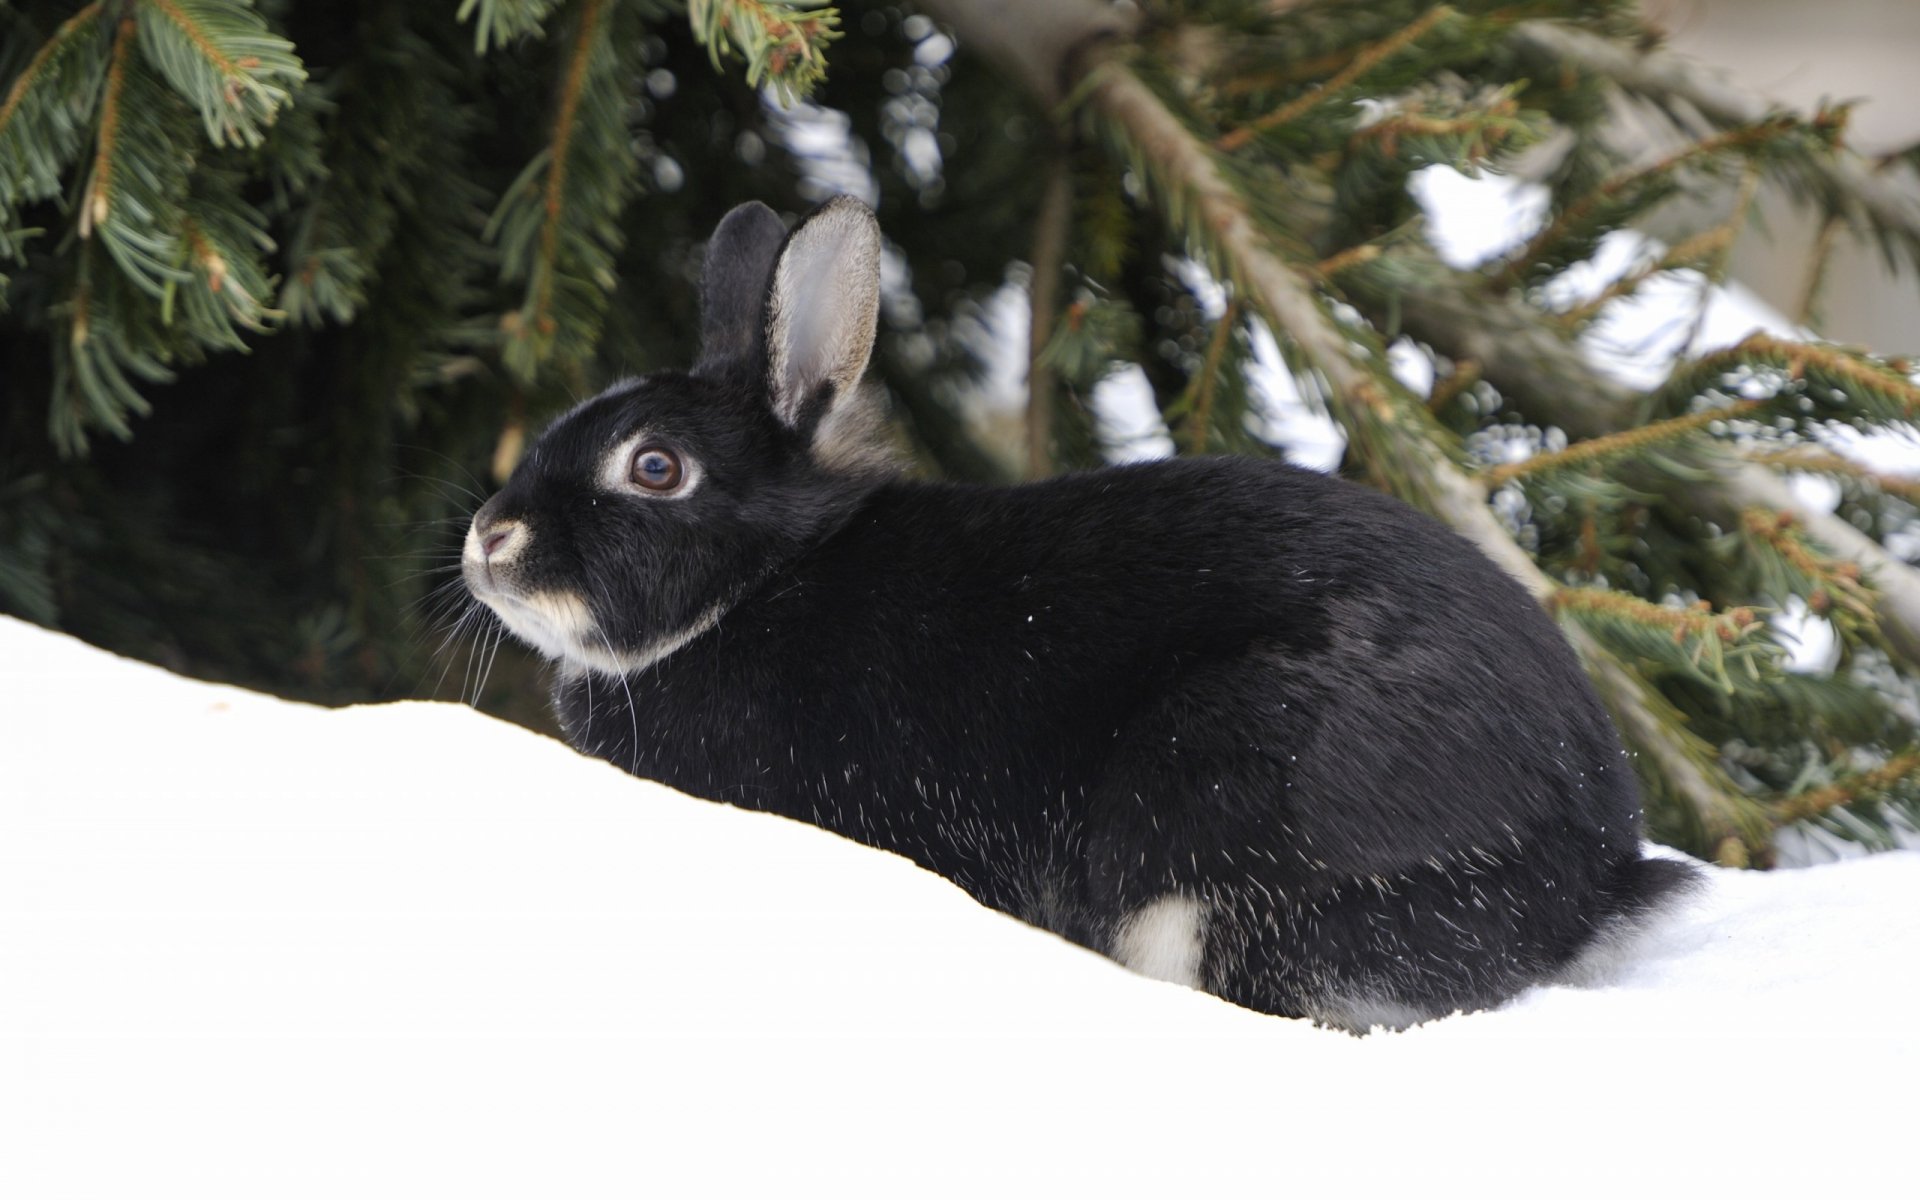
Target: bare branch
1050 229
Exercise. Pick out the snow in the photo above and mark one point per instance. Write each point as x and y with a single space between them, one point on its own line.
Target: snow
253 948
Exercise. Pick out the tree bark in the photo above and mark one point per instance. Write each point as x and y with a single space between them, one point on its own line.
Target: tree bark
1050 229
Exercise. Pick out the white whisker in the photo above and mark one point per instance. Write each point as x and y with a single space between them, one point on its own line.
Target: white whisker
633 714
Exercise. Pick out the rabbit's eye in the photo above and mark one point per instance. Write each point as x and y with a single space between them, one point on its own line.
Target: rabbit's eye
656 468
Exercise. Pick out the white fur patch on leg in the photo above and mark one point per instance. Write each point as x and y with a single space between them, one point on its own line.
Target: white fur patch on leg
1164 940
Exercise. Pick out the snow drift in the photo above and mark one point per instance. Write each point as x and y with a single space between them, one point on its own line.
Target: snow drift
253 948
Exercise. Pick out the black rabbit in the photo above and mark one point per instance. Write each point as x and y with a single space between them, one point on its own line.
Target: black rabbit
1235 724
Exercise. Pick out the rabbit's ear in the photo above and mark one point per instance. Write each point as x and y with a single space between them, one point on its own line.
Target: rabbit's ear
733 284
822 312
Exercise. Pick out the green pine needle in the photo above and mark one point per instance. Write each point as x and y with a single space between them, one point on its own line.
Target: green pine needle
782 42
501 22
220 55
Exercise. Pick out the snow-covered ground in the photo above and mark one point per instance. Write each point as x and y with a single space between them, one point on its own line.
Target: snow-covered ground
256 949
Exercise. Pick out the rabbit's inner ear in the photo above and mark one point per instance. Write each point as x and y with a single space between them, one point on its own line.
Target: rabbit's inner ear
733 284
822 312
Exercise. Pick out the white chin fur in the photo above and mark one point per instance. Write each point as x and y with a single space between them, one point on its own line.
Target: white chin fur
550 622
560 627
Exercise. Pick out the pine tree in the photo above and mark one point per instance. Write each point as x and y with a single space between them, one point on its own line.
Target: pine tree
286 286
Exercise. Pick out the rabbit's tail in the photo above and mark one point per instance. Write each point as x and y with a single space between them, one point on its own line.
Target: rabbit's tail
1640 890
1644 886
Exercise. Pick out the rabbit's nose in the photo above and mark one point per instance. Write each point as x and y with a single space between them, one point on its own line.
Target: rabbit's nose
495 539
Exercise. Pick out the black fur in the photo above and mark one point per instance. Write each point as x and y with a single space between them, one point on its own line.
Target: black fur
1362 748
736 272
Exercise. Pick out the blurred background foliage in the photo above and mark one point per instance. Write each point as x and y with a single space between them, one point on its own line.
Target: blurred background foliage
288 285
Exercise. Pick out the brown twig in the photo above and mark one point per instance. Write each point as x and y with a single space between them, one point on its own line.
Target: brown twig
205 45
1346 260
552 198
1839 581
1594 449
1200 419
1697 621
1366 60
38 62
1051 227
1835 795
98 203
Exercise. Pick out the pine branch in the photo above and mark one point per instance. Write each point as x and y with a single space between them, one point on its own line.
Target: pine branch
1807 312
1816 802
106 346
96 204
47 116
1364 61
226 243
1692 640
781 41
394 147
1613 445
1463 132
1519 347
135 193
1093 335
1837 384
1831 588
221 57
39 64
558 224
186 248
565 125
1346 260
1895 584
